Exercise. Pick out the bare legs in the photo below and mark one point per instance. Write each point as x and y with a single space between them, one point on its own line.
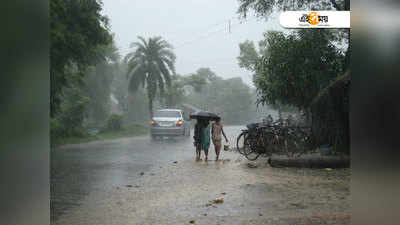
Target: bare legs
217 146
198 152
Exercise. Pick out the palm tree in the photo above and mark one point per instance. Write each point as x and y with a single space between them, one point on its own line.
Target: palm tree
150 65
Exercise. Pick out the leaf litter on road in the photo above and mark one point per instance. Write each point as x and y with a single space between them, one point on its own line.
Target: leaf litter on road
218 200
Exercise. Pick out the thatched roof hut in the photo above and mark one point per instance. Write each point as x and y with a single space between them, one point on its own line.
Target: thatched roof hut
330 115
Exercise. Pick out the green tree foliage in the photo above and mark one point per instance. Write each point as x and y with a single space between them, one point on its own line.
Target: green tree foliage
137 107
296 67
77 29
248 57
207 73
74 111
114 123
175 94
133 105
264 8
196 81
231 98
119 86
199 79
150 64
98 83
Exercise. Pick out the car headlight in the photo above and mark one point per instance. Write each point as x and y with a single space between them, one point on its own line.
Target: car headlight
154 123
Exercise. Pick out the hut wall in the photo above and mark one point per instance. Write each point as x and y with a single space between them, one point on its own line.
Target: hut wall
330 115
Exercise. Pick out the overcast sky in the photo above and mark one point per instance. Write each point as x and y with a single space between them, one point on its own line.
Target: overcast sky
198 30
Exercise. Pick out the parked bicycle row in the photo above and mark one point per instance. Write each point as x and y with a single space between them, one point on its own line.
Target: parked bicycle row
269 137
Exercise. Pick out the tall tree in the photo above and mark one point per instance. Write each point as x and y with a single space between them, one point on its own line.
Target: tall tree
296 67
77 29
150 64
264 8
207 73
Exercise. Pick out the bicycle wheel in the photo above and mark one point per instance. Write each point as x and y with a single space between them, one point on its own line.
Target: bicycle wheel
293 146
268 144
240 142
248 145
250 150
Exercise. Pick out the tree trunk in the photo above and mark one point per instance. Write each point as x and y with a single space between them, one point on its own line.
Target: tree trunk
151 107
310 162
348 52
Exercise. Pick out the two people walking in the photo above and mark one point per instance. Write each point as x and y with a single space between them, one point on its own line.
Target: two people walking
202 137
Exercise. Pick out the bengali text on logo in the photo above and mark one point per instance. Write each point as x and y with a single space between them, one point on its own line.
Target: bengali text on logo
315 19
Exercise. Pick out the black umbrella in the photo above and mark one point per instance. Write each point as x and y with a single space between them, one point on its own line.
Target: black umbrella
204 115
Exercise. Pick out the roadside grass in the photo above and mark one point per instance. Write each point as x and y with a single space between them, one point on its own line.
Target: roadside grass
128 131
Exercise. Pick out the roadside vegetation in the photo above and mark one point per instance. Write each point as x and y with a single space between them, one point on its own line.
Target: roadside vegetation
291 69
91 82
128 131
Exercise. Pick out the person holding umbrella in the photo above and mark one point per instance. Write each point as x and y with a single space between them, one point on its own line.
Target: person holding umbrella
202 138
202 132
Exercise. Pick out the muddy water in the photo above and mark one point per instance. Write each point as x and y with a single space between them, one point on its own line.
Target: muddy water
135 181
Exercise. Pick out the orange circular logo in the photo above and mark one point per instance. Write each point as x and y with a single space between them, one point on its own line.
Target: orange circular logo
313 18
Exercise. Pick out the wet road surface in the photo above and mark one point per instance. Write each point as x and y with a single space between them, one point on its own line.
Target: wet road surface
137 181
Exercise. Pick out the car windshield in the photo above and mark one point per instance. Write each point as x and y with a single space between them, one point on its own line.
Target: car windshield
167 114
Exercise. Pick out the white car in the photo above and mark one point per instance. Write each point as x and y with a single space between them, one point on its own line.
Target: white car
169 123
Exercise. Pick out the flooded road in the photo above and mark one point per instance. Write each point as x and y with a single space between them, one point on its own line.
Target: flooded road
136 181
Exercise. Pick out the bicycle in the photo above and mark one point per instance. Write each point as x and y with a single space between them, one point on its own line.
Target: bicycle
251 146
303 141
260 142
240 141
243 135
274 138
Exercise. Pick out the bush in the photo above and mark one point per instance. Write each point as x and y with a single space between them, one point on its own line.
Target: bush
114 123
73 112
56 129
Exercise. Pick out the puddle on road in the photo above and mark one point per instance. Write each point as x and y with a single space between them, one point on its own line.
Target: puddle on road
183 191
176 193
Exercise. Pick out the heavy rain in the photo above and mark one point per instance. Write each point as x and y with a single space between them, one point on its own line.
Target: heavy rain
197 112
